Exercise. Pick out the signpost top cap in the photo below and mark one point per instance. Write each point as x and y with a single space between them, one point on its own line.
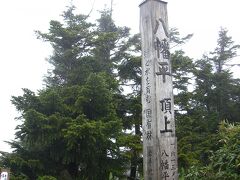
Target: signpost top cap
152 0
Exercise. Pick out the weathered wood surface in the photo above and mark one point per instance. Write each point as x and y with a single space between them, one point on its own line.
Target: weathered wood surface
159 141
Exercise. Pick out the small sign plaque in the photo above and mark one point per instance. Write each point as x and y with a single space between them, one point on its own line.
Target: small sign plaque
5 174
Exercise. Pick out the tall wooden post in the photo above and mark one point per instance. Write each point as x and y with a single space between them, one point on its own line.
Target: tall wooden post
159 140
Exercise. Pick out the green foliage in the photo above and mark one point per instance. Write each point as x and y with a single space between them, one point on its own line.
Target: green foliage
78 130
176 39
82 125
71 41
224 162
203 153
72 129
46 178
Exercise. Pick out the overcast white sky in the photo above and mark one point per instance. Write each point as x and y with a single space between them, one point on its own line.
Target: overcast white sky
22 56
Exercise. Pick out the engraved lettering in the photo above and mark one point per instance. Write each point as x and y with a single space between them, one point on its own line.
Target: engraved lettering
166 105
166 128
163 70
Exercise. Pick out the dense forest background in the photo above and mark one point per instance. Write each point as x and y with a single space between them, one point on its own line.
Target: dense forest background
85 125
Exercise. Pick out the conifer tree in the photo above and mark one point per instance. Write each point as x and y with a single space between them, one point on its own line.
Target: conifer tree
72 129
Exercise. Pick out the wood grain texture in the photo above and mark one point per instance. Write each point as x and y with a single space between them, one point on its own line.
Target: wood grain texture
157 94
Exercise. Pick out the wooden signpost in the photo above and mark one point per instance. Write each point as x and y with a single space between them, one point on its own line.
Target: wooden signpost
159 140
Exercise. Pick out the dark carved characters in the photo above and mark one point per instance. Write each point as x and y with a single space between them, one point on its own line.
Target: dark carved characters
166 105
166 126
163 70
162 47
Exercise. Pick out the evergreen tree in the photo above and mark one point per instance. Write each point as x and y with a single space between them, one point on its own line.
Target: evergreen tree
130 76
223 80
72 129
214 99
82 125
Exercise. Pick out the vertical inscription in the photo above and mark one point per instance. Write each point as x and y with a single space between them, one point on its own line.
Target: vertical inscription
147 74
150 162
168 165
147 100
168 153
147 95
148 117
159 154
163 70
